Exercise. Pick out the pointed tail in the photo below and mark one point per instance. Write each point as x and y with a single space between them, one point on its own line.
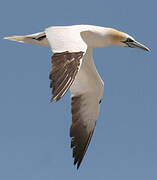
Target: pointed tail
37 38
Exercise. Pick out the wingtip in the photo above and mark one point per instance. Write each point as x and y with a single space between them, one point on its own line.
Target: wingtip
52 99
78 165
77 162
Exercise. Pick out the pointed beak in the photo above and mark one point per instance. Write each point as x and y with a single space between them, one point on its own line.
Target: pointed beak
136 44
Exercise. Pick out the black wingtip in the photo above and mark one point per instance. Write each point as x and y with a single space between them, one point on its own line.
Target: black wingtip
78 165
77 162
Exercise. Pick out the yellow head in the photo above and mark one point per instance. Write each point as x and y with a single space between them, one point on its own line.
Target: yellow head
118 38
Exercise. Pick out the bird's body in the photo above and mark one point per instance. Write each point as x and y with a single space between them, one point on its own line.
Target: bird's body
73 68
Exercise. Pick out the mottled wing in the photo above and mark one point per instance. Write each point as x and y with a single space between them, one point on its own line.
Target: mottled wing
65 66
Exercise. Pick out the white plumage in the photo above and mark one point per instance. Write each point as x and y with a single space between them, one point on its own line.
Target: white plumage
73 68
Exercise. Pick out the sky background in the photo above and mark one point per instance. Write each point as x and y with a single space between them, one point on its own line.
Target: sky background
34 133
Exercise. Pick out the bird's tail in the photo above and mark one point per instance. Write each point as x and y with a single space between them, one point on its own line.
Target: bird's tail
37 38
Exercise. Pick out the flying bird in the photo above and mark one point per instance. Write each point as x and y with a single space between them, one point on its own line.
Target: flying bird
73 69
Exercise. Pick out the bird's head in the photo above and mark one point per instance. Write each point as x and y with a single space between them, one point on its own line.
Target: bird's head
122 39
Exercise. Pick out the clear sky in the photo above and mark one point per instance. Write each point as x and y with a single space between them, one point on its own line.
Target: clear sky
34 133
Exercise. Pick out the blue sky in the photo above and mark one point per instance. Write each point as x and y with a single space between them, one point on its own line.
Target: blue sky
34 133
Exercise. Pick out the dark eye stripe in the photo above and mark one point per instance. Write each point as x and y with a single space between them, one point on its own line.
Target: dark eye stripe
129 40
39 38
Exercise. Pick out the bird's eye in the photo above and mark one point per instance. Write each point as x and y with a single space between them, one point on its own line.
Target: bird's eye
129 40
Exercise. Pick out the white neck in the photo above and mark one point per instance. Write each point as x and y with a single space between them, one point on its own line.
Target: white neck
96 36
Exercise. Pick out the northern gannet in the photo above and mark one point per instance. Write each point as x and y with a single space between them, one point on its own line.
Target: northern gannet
73 68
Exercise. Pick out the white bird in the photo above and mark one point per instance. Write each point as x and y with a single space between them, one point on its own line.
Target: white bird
73 68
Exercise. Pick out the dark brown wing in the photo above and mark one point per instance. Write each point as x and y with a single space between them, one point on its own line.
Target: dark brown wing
65 66
83 123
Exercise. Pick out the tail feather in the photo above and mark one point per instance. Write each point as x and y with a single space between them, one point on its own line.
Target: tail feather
37 38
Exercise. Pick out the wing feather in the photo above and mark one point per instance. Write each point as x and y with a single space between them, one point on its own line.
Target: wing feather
73 67
82 127
65 66
86 93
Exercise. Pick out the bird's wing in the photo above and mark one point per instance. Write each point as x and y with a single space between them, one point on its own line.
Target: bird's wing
65 66
68 48
63 39
73 67
86 93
